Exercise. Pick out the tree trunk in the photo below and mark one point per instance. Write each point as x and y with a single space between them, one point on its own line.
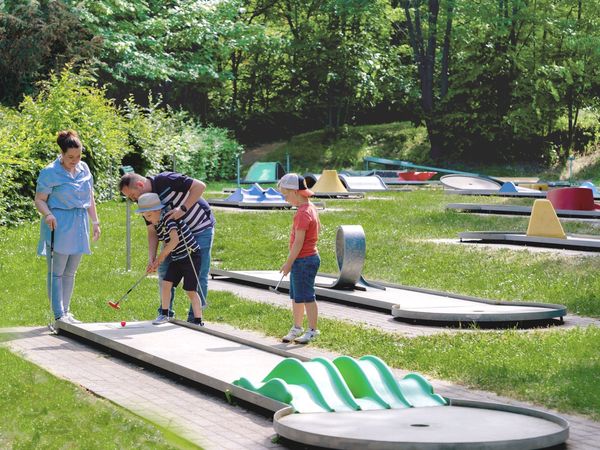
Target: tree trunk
424 58
235 63
203 107
446 50
435 140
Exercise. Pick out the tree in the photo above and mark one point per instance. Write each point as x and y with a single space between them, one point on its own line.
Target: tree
335 52
35 39
521 67
180 49
422 29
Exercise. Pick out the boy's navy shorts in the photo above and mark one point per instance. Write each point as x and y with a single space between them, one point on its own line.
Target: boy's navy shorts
302 278
182 268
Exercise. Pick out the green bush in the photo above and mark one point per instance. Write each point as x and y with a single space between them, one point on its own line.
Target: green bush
153 136
15 167
209 153
163 138
28 139
73 101
150 139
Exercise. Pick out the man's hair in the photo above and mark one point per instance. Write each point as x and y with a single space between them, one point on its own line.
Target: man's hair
128 179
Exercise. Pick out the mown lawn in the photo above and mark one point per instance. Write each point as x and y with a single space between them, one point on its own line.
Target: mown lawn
557 369
39 411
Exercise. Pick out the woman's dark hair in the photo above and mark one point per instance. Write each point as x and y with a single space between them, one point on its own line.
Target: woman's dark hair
68 139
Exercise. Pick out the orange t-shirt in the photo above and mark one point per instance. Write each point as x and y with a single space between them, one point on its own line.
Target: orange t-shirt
306 218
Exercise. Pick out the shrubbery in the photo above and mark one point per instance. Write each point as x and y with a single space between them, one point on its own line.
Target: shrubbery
163 138
147 138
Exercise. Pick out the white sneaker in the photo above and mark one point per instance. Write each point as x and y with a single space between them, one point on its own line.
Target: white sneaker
62 319
307 337
160 319
292 334
71 318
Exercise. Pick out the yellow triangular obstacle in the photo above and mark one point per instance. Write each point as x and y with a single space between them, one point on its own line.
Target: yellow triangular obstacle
328 182
544 221
536 186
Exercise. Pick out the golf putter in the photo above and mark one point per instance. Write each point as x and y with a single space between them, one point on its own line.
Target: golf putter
51 323
115 305
275 289
203 302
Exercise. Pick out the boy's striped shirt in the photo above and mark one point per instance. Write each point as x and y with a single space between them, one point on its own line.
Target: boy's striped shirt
164 227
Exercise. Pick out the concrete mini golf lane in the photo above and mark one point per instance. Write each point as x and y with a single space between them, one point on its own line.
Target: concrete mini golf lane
216 359
201 357
574 242
519 210
413 303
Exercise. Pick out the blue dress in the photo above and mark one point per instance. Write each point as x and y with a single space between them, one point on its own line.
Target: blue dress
69 197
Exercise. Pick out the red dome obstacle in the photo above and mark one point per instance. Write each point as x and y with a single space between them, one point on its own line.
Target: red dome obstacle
573 198
410 175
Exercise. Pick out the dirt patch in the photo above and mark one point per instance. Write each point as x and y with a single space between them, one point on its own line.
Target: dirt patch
257 153
580 163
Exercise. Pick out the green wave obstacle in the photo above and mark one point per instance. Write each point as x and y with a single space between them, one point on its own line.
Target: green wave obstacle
344 384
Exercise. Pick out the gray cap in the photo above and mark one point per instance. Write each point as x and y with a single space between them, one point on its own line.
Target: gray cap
149 202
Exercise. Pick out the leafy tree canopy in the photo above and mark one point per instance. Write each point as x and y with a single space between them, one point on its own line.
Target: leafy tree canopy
37 37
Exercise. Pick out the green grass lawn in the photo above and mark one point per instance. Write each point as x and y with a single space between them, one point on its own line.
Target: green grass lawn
557 369
39 411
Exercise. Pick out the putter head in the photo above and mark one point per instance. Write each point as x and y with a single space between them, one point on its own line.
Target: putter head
272 289
114 305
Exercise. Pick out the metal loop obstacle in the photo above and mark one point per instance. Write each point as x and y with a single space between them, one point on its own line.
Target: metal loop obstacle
350 251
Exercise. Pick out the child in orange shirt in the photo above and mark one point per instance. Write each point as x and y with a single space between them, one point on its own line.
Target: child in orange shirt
303 260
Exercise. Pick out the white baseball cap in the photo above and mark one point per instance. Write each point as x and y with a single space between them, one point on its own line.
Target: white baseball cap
149 202
295 182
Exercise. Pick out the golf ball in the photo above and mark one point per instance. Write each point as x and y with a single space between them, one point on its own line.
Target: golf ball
123 323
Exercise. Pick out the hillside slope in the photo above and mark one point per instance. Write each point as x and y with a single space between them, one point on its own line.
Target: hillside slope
318 150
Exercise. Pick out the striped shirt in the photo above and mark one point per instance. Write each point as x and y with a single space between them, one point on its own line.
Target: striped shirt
172 188
164 227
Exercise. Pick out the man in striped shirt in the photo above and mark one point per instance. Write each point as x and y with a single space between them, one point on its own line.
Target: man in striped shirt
184 197
184 251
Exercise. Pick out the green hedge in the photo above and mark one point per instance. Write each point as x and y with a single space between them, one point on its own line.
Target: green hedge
162 138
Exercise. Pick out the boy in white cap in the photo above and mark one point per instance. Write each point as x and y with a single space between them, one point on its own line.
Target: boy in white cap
303 260
184 250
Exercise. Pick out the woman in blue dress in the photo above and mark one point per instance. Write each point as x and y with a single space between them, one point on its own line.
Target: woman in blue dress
65 197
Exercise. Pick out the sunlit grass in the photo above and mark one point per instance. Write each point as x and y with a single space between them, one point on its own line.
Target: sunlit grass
556 369
400 229
40 411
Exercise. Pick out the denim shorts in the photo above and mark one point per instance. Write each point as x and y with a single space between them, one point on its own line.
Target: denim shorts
302 278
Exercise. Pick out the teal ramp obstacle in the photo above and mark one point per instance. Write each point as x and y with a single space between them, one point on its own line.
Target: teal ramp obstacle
346 384
264 172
